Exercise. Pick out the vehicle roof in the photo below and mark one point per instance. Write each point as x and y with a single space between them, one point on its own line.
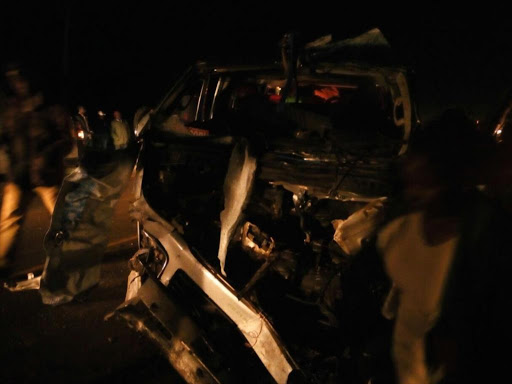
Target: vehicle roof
318 68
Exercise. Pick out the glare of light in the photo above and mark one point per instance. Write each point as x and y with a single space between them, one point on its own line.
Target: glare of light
498 132
81 135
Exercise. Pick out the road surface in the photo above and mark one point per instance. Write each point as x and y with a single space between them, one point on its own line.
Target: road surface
73 343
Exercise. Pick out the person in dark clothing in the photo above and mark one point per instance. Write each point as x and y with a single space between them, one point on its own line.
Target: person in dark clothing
82 131
37 139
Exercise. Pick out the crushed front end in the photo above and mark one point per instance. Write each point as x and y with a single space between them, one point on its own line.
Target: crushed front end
258 198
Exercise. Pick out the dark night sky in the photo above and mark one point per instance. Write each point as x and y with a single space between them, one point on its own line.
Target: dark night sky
124 54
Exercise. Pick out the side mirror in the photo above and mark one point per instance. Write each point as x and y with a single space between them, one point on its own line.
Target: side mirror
141 120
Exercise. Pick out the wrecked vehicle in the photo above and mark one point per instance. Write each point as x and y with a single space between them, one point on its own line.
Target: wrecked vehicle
259 189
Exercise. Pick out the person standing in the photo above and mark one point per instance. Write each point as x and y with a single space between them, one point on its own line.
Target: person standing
448 259
120 131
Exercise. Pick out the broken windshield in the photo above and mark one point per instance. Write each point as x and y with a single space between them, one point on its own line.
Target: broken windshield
341 108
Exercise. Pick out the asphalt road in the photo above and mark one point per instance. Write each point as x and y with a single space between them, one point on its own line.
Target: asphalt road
73 343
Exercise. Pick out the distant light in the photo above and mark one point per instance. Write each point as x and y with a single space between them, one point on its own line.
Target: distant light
498 132
81 135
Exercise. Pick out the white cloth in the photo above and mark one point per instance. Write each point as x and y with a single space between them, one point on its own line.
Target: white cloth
419 272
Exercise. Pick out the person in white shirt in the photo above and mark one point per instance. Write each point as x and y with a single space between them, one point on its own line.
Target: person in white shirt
420 247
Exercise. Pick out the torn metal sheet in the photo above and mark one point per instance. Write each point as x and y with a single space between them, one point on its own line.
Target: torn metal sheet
141 313
78 234
319 42
373 37
324 174
237 187
253 324
256 241
359 226
25 285
133 285
373 42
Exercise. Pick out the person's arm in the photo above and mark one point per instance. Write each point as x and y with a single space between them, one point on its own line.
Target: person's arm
411 326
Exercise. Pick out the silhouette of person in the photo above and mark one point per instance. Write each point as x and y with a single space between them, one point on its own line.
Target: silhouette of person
37 138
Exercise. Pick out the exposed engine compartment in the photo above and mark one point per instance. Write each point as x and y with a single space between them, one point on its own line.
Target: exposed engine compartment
305 261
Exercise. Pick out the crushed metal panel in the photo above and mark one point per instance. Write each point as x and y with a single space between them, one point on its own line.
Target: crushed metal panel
406 120
180 356
252 323
373 37
256 241
189 365
133 285
359 226
25 285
